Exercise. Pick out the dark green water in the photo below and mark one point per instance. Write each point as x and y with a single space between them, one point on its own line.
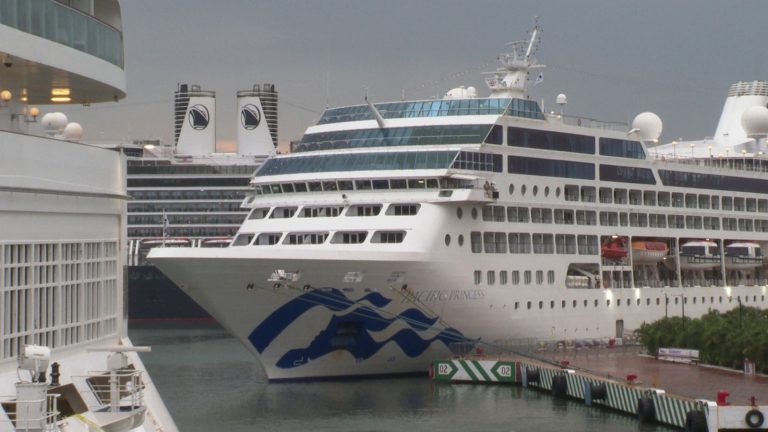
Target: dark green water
210 383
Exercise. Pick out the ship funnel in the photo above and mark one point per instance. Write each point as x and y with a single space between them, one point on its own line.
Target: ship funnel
194 120
257 120
742 97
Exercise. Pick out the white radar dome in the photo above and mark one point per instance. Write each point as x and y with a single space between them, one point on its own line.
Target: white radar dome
754 120
73 131
54 122
648 125
461 93
561 99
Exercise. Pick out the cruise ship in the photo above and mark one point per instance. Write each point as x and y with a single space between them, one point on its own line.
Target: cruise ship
66 362
188 195
400 232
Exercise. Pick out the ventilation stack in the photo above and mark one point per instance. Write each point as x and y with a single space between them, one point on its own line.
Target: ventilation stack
742 96
257 120
194 121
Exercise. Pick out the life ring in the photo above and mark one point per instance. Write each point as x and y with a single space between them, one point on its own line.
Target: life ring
754 418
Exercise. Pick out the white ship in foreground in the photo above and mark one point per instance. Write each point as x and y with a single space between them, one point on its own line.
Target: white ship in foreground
65 360
397 231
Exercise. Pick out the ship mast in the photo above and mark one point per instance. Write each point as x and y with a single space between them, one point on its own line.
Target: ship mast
511 80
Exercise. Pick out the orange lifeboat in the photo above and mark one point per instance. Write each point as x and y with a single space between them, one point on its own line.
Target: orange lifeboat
648 252
614 249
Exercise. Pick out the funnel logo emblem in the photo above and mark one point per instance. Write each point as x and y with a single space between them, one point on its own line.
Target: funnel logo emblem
250 117
199 117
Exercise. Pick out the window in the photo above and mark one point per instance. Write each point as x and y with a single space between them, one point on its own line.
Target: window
515 277
548 140
243 239
518 214
495 242
551 281
349 237
391 137
503 277
491 277
388 237
493 214
259 213
621 148
313 212
356 162
564 216
626 174
476 242
268 239
527 277
283 212
543 244
606 196
478 277
403 209
364 210
305 238
550 167
519 243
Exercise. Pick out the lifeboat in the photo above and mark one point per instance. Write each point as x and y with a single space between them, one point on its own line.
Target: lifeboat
743 255
648 252
614 249
699 255
215 242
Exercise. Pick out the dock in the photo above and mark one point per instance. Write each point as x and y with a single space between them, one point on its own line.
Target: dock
697 398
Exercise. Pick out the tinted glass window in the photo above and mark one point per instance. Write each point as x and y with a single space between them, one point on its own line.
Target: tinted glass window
548 140
551 168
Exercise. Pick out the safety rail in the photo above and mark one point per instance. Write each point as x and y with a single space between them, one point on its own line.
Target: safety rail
21 413
116 391
588 122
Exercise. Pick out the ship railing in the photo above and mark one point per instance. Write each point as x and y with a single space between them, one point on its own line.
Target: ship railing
740 259
18 413
588 122
115 391
730 163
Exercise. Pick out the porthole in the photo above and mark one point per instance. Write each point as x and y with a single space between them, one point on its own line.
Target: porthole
461 240
574 303
557 192
586 303
541 305
459 212
523 189
511 188
447 239
546 191
474 213
535 190
595 303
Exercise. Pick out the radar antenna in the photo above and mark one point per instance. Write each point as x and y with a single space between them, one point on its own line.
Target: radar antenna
511 80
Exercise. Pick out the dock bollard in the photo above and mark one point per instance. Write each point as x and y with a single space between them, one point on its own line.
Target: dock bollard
559 386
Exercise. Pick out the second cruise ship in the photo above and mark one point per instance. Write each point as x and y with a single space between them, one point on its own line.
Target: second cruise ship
399 232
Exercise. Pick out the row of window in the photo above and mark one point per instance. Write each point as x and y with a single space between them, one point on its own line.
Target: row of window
638 197
196 194
574 143
436 108
333 211
608 218
188 182
713 181
183 231
185 219
362 185
503 279
638 302
316 238
136 167
190 207
539 243
387 137
357 162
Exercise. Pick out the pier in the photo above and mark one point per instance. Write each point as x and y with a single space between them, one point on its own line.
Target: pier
697 398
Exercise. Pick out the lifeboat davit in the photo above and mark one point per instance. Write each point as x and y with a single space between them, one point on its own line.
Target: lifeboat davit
743 255
648 252
614 249
699 255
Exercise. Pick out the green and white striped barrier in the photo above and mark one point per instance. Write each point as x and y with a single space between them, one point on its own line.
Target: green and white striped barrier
670 410
474 371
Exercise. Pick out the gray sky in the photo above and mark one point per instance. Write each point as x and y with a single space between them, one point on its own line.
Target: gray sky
613 58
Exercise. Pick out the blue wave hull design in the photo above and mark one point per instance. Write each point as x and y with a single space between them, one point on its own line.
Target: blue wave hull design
350 332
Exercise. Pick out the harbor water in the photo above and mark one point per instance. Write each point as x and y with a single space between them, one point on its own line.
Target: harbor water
210 383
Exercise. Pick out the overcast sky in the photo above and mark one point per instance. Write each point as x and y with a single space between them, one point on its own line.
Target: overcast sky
612 58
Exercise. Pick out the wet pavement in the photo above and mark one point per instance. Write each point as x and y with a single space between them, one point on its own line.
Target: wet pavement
694 381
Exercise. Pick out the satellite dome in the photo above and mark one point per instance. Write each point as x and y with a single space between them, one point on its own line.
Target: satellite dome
73 131
754 120
54 122
461 93
648 125
561 99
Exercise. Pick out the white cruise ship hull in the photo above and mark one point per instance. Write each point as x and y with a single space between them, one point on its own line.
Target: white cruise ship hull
319 326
